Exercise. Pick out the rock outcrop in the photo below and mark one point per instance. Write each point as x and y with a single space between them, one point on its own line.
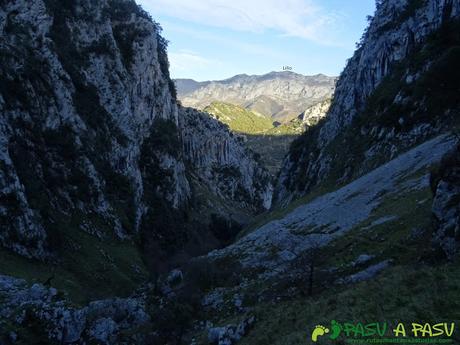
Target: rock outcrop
78 102
34 306
230 334
91 134
312 115
397 28
221 161
446 204
380 106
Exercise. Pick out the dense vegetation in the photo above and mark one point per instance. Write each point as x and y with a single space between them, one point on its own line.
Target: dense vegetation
239 119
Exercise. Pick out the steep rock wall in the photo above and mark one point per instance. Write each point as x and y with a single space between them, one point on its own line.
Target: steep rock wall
382 104
222 162
90 135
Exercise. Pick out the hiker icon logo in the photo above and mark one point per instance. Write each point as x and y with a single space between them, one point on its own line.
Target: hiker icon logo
318 331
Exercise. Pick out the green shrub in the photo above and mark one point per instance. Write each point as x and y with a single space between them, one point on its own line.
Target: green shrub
62 139
242 194
409 10
440 84
164 137
171 320
62 8
225 230
125 35
121 10
119 191
102 46
162 224
207 275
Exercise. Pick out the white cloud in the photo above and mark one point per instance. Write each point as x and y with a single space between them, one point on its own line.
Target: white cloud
299 18
186 60
247 48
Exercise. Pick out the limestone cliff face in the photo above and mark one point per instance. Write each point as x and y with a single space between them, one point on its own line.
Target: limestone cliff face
90 134
394 32
221 161
312 115
382 104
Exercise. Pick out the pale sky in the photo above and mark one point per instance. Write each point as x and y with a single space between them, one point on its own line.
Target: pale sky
216 39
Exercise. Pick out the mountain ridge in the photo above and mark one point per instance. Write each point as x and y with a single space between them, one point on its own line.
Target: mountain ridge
282 95
245 75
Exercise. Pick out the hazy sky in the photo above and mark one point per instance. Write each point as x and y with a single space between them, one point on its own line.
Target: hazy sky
216 39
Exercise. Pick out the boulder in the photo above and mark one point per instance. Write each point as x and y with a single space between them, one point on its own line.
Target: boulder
446 205
230 334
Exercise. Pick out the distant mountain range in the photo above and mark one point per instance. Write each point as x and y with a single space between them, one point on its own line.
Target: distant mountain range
268 110
279 95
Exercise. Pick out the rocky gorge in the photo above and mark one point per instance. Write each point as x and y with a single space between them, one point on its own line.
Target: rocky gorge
128 218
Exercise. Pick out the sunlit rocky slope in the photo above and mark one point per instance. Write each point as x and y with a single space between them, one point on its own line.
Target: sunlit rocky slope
279 95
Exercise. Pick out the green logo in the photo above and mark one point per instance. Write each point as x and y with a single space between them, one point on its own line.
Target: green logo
336 330
318 332
380 332
321 330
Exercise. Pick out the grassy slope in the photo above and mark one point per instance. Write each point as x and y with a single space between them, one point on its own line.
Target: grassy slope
87 269
272 143
410 290
240 119
402 293
247 121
